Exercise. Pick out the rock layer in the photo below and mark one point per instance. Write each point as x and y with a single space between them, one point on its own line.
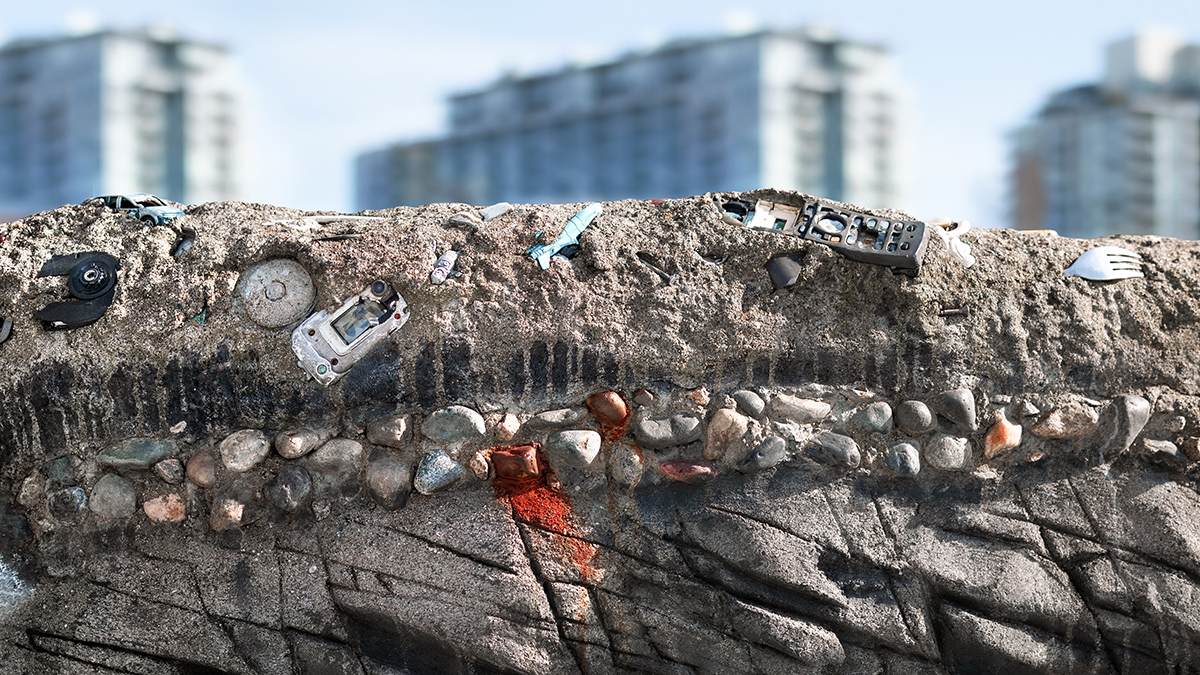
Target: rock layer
808 533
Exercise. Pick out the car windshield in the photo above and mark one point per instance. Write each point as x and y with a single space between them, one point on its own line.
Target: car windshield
149 200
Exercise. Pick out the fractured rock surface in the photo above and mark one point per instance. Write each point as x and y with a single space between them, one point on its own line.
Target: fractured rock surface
742 480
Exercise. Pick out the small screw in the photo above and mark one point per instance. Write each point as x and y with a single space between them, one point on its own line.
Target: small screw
964 311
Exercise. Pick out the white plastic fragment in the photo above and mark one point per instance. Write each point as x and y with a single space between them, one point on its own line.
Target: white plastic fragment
495 210
950 231
443 268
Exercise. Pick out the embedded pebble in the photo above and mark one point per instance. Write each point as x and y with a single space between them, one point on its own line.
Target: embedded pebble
958 406
643 397
904 459
170 470
626 465
227 514
949 453
664 432
168 508
555 419
857 396
437 472
1026 408
33 489
507 427
724 428
1001 399
299 442
802 410
113 497
1176 424
479 465
340 457
914 417
876 418
517 462
136 453
243 450
1191 448
574 448
1121 422
749 402
393 431
1002 437
1073 420
454 424
202 469
685 471
699 396
67 505
770 453
1160 448
64 470
609 408
830 447
389 481
289 488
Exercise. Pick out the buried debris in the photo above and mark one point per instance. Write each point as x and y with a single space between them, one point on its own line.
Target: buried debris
1106 263
328 345
541 253
91 280
443 268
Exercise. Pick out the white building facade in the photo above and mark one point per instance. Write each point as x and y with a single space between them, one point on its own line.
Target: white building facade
1121 156
795 110
116 113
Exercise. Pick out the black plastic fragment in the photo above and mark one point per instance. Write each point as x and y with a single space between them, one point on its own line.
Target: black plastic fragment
91 279
784 270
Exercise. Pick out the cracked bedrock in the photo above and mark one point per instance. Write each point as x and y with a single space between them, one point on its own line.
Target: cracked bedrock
832 477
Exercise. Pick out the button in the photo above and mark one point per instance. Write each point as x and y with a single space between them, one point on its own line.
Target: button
904 246
898 226
911 227
830 226
835 239
891 248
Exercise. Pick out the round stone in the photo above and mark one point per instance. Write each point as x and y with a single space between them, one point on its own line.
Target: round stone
113 497
67 505
643 397
830 447
243 450
299 442
168 508
392 431
554 419
749 402
626 465
136 453
770 453
914 417
609 408
724 428
876 418
289 488
574 448
341 457
389 481
64 470
202 469
949 453
507 427
664 432
227 514
1073 420
802 410
904 459
170 470
276 292
437 472
454 424
686 471
958 406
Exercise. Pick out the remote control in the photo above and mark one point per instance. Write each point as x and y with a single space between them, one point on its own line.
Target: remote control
899 244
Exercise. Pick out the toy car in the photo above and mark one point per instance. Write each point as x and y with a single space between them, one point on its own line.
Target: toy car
146 208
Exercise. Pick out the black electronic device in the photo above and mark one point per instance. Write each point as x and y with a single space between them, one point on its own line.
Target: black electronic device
896 243
91 280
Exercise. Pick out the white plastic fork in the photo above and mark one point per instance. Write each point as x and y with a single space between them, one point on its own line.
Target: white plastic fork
1106 263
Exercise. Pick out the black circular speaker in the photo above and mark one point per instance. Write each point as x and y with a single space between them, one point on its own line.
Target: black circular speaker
92 279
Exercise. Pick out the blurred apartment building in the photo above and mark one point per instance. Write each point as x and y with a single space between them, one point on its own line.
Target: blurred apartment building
803 110
1119 156
116 112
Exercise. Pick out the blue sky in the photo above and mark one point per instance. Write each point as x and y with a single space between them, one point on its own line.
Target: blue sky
331 80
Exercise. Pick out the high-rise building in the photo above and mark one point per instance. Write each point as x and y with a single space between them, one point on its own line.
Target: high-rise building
803 110
116 112
1119 156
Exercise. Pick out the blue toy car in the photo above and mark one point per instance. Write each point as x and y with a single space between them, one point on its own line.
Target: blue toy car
146 208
